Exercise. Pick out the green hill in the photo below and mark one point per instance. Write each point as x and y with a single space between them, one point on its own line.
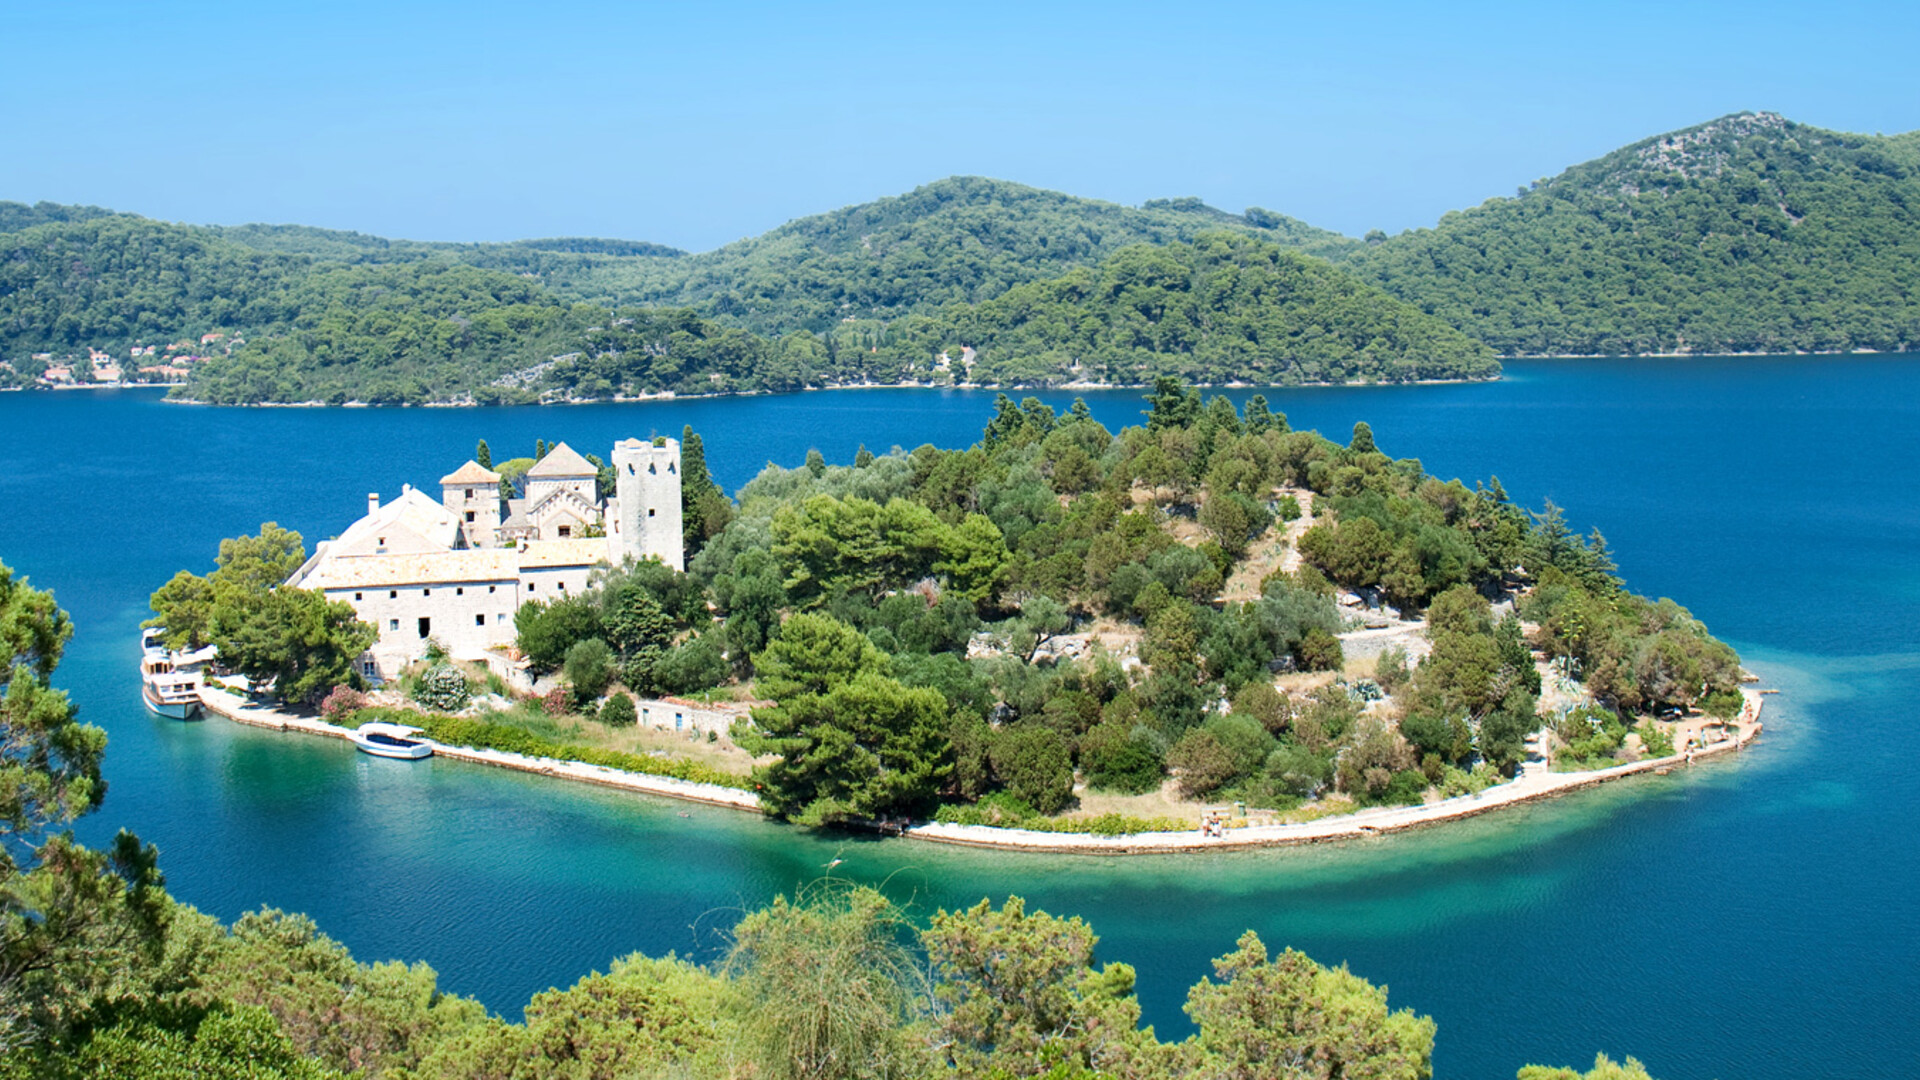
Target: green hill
963 239
1750 233
1225 308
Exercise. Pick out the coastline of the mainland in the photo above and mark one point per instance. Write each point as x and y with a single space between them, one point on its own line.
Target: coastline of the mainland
1536 781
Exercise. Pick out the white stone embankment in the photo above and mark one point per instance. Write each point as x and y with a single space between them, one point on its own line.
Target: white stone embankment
1535 782
233 708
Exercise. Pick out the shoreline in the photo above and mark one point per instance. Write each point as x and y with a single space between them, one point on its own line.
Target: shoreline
669 395
1377 821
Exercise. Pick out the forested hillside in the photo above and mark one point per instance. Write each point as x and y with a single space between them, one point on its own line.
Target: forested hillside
961 239
1750 233
1225 308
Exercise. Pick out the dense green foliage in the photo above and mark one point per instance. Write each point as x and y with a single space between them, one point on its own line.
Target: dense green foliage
960 240
71 919
104 976
1224 308
870 293
294 641
918 620
1749 233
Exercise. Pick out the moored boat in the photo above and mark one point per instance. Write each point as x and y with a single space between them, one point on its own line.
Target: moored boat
391 740
170 681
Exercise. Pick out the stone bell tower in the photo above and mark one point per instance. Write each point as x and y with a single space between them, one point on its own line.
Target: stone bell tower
647 494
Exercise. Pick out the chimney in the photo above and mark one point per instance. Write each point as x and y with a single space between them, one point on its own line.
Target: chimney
373 502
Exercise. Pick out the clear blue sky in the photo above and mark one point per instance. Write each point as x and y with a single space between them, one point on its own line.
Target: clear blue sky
698 124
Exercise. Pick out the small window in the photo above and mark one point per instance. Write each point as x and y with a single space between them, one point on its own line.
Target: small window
469 515
426 626
469 495
357 596
650 511
566 531
426 592
393 624
489 588
393 594
529 586
670 466
479 620
652 469
460 590
383 541
563 586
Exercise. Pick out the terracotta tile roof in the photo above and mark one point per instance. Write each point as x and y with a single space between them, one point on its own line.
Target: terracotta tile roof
470 473
546 554
561 461
436 568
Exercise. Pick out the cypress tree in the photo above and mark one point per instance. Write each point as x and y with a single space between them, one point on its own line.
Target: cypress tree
863 457
483 454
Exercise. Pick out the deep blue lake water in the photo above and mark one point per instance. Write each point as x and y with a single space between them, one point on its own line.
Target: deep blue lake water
1757 918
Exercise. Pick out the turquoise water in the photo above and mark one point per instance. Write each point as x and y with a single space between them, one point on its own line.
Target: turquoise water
1754 918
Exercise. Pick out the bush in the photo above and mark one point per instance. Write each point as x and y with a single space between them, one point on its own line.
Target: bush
1126 765
1318 650
1032 762
344 700
691 667
1203 765
556 701
1658 743
1392 670
1288 508
589 668
443 688
619 712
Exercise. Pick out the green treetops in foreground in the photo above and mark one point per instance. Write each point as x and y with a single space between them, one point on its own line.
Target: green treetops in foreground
71 919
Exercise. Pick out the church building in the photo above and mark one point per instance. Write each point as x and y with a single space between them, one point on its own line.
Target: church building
454 571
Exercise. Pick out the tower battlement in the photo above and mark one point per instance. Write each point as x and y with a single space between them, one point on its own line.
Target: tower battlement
647 499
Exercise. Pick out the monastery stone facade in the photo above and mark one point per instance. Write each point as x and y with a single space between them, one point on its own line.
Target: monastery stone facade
455 571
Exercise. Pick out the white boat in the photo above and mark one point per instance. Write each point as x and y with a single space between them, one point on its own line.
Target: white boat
391 740
170 681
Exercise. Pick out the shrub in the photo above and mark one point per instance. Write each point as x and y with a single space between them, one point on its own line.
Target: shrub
1126 765
344 700
1318 650
619 712
443 688
1392 669
1032 762
556 701
1288 508
1658 742
691 667
1202 763
589 668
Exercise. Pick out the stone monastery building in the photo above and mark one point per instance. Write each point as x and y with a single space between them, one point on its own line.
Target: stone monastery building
456 570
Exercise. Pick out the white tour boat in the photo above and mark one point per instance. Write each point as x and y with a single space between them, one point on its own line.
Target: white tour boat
170 681
391 740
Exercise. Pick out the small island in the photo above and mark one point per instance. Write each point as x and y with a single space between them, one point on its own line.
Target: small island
1208 630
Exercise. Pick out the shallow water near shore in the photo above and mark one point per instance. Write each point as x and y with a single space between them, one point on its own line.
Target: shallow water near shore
1752 917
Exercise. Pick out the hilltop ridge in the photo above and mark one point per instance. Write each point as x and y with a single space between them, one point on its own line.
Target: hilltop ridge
1749 233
